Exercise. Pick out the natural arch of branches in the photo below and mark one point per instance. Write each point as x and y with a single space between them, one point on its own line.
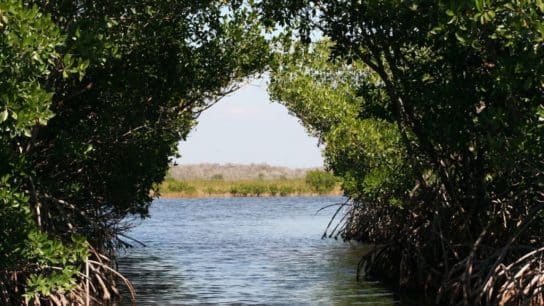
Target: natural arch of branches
431 112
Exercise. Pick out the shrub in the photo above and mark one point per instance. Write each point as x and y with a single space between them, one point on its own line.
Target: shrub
217 177
234 190
259 189
179 186
320 181
273 190
210 190
240 190
286 190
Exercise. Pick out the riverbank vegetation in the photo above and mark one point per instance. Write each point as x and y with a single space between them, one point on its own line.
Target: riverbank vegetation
321 183
432 114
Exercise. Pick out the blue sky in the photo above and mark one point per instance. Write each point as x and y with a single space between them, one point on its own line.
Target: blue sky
246 127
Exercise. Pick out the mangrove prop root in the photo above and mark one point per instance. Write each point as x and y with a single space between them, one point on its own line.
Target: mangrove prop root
434 249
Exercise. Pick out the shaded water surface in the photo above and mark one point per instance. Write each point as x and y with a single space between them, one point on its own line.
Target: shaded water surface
245 251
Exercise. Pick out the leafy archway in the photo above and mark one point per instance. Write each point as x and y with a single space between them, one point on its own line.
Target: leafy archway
432 113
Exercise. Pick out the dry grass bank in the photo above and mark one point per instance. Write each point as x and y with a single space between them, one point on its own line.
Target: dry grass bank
236 172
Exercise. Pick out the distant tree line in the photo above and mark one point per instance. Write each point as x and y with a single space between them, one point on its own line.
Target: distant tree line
233 172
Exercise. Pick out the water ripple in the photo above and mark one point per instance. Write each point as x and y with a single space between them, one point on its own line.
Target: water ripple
249 251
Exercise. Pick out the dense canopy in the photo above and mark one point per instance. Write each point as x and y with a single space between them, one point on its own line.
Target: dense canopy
431 112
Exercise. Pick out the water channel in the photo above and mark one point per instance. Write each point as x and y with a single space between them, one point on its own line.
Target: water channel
245 251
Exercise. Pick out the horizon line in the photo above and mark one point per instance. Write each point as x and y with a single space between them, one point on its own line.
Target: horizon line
178 164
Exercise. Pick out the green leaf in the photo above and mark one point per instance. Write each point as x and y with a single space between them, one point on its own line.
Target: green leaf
479 4
540 113
436 30
4 115
540 5
460 38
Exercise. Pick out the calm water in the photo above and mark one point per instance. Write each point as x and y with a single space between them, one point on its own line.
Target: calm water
245 251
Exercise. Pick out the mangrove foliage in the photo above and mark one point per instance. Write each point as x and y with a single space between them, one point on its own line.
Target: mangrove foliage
94 97
432 113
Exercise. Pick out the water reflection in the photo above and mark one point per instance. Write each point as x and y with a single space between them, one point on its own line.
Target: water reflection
245 251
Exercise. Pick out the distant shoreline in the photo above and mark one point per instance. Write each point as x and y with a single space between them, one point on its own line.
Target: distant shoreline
230 181
181 195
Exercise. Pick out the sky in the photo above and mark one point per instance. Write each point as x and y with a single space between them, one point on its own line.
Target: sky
245 127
